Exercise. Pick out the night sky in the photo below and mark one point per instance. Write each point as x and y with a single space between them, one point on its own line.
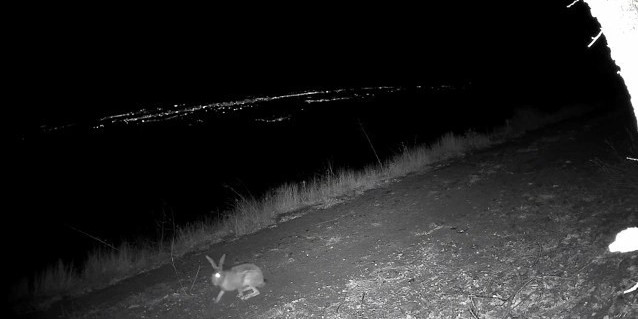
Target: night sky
67 64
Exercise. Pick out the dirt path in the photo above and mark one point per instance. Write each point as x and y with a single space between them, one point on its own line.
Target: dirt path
519 230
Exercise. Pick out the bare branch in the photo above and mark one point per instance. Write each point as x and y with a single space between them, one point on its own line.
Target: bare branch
573 3
595 38
194 280
103 242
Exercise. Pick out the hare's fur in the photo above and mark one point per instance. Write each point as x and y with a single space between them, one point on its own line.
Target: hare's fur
242 278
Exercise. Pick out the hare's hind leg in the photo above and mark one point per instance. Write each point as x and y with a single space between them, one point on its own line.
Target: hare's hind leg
250 295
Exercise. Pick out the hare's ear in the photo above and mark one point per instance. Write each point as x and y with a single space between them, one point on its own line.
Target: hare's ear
212 262
221 260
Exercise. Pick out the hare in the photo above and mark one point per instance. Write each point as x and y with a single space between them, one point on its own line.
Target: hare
241 278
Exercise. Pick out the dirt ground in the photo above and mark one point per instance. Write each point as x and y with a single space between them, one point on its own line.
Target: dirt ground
516 231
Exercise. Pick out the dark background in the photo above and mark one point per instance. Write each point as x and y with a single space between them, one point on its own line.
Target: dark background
72 65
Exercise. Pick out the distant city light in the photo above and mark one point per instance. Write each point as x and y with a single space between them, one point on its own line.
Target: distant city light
179 111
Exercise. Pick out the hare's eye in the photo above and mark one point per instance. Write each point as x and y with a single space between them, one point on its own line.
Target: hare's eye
217 275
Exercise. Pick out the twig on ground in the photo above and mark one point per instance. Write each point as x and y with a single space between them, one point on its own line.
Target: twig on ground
490 297
540 254
510 300
473 314
472 309
195 279
334 219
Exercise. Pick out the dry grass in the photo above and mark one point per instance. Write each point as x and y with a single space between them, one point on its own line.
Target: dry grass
103 268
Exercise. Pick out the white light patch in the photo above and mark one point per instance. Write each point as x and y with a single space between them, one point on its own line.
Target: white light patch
626 241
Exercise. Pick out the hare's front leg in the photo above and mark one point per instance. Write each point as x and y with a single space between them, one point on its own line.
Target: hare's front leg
221 293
